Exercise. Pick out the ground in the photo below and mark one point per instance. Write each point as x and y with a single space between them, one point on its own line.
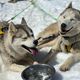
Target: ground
38 17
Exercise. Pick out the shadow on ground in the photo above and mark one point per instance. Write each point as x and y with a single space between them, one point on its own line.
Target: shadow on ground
57 76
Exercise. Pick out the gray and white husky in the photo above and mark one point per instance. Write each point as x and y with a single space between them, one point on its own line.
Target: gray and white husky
68 27
17 47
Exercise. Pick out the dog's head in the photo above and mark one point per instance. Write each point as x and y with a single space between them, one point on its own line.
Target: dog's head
20 39
69 21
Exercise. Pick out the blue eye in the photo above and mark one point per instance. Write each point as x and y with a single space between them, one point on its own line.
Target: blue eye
4 29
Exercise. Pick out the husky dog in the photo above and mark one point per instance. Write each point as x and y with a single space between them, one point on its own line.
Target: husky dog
69 37
17 47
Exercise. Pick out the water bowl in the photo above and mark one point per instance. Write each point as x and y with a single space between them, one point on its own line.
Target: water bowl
38 72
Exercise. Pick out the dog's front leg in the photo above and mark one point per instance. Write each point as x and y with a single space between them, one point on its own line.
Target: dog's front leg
50 55
70 61
55 49
17 68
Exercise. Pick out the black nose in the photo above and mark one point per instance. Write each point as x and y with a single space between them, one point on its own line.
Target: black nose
35 42
63 26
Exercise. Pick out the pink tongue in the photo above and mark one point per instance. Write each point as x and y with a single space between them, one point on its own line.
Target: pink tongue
34 52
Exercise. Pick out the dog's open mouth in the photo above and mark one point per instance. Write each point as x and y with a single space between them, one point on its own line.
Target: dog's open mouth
32 50
66 31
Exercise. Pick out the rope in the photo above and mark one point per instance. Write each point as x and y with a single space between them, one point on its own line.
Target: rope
34 4
19 13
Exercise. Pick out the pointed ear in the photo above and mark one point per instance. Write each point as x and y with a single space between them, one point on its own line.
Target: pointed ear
23 21
70 5
12 27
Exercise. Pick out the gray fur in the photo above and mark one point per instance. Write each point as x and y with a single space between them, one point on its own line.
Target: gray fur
12 55
69 39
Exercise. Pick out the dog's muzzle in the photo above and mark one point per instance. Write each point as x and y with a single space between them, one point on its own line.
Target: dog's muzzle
63 29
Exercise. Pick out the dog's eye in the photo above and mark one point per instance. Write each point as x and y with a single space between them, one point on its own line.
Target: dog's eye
24 38
71 19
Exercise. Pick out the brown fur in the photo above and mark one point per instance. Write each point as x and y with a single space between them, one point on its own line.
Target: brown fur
50 30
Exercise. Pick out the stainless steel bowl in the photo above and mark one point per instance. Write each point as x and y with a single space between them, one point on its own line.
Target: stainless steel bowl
38 72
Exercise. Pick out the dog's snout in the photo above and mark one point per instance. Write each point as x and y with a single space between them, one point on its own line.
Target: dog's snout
35 42
63 26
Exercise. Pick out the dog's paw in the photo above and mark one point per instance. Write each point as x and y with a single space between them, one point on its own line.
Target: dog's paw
64 67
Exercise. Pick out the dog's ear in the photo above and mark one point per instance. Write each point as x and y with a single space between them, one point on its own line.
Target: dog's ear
12 27
26 27
70 5
23 21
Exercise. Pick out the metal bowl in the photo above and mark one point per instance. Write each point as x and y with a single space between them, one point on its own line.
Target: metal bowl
38 72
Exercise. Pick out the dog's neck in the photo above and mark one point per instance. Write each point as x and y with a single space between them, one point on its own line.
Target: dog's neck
72 39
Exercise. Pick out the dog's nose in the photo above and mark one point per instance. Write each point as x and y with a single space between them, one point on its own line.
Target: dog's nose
63 26
35 42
